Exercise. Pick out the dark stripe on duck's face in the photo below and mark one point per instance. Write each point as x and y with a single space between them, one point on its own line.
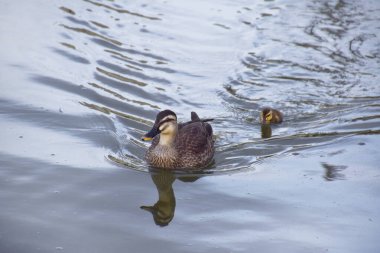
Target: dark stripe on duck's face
164 124
165 121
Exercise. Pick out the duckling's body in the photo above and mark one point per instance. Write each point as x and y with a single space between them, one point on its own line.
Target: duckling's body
186 145
270 116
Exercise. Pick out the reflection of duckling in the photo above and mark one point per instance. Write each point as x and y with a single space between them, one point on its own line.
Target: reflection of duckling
187 145
270 116
163 210
266 131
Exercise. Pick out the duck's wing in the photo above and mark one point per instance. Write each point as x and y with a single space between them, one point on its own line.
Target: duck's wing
208 129
195 137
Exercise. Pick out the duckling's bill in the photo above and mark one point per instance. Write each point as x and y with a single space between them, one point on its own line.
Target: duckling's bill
265 119
268 117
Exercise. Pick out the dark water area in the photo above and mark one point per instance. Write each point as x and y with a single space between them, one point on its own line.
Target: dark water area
81 81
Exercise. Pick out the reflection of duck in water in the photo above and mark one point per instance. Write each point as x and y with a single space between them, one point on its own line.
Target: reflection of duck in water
266 131
163 210
186 145
270 116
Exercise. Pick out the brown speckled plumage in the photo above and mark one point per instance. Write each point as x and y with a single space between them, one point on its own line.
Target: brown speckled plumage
276 116
193 146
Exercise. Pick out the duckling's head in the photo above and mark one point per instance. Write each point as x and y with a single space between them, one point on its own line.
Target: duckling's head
266 115
165 124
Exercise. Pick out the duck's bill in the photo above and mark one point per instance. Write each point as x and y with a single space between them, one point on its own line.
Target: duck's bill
148 208
150 135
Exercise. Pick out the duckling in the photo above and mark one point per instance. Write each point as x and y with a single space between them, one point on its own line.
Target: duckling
179 146
270 116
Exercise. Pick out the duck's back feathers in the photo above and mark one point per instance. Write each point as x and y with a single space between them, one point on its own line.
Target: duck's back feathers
194 137
195 144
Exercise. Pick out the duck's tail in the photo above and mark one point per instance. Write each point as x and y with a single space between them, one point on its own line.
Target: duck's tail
195 117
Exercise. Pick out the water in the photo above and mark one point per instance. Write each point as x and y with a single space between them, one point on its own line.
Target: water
82 81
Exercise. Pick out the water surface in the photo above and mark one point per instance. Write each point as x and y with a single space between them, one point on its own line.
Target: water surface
82 81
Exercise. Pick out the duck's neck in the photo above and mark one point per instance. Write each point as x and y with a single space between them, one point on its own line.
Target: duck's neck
167 139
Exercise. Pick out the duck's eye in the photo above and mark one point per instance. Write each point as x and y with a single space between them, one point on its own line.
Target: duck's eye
163 126
165 123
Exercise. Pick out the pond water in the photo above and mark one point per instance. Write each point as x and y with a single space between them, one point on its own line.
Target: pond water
81 81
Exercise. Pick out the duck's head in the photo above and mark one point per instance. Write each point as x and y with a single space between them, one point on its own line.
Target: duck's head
266 115
165 124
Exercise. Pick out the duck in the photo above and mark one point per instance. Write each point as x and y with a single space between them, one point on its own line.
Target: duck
270 116
179 145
